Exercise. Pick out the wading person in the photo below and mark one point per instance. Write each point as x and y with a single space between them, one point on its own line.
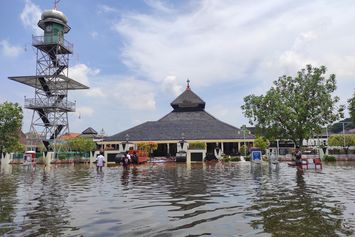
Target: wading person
100 162
134 158
298 155
126 160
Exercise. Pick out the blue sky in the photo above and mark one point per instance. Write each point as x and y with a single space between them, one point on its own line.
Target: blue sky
137 55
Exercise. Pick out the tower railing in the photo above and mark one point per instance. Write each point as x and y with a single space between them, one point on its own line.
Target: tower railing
52 39
34 103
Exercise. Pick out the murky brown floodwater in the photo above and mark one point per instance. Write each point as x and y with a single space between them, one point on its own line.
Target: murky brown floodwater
177 200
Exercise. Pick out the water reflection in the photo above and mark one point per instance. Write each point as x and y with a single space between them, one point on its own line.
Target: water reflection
8 189
213 199
298 211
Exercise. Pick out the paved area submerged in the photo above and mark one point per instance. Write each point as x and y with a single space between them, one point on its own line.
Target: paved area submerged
171 199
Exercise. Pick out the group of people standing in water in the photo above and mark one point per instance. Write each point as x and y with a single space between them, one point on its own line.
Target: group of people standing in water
125 161
129 159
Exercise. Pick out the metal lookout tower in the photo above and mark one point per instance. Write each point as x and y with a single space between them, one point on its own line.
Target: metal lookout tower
50 104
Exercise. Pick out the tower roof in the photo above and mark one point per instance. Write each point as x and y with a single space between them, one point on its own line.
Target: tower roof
188 101
55 16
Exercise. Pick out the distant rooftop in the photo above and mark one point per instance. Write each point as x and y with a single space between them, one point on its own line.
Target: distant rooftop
89 131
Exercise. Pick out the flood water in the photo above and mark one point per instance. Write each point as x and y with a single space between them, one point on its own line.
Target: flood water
170 199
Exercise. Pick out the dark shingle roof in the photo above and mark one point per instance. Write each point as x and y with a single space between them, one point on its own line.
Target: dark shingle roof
189 118
171 128
188 115
90 131
188 101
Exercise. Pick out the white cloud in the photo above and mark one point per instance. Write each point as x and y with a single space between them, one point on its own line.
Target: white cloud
293 61
84 111
94 34
124 92
158 5
30 16
95 92
102 9
228 114
231 41
170 85
133 94
9 50
82 73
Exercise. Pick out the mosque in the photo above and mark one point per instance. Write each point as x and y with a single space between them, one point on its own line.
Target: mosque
188 122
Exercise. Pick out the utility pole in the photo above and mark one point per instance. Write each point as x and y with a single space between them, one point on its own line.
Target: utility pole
244 129
343 123
343 133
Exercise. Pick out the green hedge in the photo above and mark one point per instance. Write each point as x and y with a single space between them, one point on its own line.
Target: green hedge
234 158
226 159
197 145
329 158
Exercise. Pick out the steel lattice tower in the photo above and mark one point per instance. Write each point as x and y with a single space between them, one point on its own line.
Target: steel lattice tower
50 104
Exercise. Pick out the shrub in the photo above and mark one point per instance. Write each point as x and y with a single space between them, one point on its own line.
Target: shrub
62 156
329 158
226 159
244 149
197 145
261 142
247 158
236 158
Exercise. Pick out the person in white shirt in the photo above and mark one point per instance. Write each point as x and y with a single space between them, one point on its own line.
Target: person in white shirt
126 160
100 159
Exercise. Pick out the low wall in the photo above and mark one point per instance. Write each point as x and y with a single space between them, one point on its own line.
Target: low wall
338 157
345 157
201 153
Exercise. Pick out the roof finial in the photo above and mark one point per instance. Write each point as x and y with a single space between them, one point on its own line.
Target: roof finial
188 84
55 4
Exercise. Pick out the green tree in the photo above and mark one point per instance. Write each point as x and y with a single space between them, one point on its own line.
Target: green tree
295 108
244 150
81 144
341 140
351 108
261 142
10 126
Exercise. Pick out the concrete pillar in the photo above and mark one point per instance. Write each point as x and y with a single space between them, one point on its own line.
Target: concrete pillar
49 157
188 157
183 148
321 153
91 156
6 159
